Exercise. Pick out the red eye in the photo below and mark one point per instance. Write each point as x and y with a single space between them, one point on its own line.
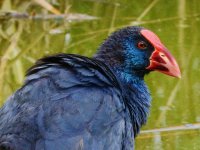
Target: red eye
142 45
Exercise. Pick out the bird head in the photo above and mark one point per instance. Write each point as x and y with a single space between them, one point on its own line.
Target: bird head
137 51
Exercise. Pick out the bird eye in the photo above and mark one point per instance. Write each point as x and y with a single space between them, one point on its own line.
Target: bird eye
142 45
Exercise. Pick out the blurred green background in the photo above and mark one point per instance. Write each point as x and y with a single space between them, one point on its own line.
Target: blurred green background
31 29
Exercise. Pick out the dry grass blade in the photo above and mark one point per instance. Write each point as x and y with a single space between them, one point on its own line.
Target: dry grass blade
113 19
166 19
48 6
170 131
17 67
80 17
26 50
6 57
169 103
146 10
167 134
82 41
66 17
6 6
173 128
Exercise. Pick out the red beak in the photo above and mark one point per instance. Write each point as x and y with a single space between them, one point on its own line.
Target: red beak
161 60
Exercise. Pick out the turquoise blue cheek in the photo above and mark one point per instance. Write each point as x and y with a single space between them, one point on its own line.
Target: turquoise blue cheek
135 58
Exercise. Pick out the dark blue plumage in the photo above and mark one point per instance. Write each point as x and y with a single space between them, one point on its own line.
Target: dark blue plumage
73 102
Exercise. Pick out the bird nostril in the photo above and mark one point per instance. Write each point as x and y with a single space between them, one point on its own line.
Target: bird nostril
162 55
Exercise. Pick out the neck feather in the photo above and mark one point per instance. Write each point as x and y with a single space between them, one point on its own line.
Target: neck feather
135 90
137 97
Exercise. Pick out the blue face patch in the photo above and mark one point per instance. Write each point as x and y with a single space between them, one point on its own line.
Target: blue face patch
136 58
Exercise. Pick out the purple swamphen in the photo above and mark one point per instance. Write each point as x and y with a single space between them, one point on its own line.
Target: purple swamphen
72 102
